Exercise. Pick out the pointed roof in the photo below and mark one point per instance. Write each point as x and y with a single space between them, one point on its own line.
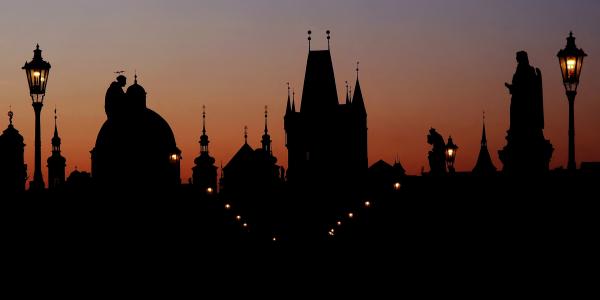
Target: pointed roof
357 100
319 93
293 101
55 138
244 154
204 138
484 163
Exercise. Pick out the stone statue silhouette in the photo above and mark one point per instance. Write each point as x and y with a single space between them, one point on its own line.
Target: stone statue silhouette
115 97
527 151
437 155
526 105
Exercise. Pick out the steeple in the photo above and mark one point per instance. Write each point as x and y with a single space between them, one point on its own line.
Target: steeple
245 135
357 100
10 116
204 138
347 94
55 138
288 108
266 138
319 93
293 101
484 165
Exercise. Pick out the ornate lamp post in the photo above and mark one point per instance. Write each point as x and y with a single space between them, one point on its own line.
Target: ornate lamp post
37 71
450 154
571 60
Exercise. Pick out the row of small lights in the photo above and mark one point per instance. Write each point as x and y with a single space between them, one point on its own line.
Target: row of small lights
331 232
351 215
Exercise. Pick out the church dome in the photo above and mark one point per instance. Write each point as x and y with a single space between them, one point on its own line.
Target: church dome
150 129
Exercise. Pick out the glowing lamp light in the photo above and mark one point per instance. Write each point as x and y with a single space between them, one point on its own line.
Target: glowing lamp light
350 215
450 154
570 60
227 206
37 71
174 157
339 223
209 190
238 217
274 239
397 186
367 204
245 224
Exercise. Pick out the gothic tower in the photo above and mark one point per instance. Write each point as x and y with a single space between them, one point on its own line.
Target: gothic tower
326 140
56 162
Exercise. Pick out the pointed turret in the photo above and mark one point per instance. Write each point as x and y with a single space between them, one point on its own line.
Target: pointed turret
266 138
347 94
56 162
204 138
288 108
357 99
13 170
293 101
204 173
484 165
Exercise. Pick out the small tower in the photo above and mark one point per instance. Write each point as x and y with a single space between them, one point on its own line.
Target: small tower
13 171
56 162
484 165
266 138
204 177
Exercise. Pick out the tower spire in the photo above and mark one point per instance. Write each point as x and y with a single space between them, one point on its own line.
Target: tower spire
328 37
347 93
266 138
134 76
266 117
245 134
55 138
204 138
293 100
288 108
483 135
309 38
357 99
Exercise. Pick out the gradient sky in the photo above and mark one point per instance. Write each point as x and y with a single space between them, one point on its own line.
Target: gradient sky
423 64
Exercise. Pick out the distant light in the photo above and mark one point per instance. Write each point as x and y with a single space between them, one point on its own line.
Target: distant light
339 223
397 186
209 190
174 157
238 217
274 239
367 204
245 224
227 206
331 233
350 215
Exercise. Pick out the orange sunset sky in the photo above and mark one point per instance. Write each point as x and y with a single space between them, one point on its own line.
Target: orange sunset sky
422 64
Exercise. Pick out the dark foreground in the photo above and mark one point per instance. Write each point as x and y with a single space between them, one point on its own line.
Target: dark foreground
488 224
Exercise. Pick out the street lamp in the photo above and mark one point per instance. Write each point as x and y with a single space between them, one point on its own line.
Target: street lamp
37 71
571 61
450 154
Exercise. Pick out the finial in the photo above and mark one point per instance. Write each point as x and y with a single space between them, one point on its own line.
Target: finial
293 100
245 134
570 33
10 114
346 86
328 37
483 116
266 114
309 32
134 76
55 116
203 120
288 84
357 62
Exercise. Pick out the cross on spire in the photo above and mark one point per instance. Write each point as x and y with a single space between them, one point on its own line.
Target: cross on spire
266 115
245 134
357 63
309 38
328 37
203 119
